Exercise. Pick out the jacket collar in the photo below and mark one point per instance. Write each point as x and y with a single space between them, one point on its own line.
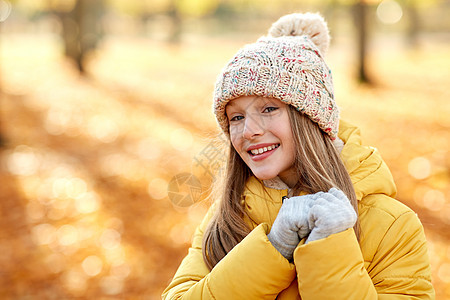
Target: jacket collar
276 183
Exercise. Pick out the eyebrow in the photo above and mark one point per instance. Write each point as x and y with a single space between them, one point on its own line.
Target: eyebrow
231 103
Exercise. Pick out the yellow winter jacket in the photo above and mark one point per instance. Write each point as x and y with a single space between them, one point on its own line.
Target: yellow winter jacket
389 262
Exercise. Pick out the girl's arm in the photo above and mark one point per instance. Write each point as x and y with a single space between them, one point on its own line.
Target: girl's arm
253 269
396 264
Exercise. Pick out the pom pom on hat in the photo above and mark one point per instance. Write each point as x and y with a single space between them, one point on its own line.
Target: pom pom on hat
309 24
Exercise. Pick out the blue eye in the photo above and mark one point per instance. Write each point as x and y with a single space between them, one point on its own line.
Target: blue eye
236 118
270 109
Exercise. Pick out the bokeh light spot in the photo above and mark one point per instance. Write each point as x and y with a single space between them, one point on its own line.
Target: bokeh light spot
121 271
67 235
115 223
112 165
69 187
111 285
149 150
103 129
389 12
75 282
5 10
43 234
444 272
59 187
434 200
76 187
180 234
87 203
23 161
92 265
115 256
110 239
157 188
419 168
56 121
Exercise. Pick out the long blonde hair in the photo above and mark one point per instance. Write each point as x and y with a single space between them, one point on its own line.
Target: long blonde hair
316 161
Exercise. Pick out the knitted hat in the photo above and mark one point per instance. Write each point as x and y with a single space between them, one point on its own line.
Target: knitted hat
287 65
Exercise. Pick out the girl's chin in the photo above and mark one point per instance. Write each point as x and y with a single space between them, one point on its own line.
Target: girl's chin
265 176
289 178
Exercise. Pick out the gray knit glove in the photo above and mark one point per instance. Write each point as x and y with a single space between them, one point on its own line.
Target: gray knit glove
291 224
331 213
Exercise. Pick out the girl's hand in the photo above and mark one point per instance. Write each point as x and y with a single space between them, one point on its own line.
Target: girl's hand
331 213
291 224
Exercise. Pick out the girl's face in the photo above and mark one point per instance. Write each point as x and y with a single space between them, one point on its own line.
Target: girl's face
260 131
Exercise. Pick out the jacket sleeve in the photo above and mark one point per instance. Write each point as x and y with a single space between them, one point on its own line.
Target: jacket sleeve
253 269
333 268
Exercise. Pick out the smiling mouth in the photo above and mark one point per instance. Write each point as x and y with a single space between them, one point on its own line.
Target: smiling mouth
262 150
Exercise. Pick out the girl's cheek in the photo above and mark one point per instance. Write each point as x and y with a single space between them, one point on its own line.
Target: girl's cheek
236 142
234 132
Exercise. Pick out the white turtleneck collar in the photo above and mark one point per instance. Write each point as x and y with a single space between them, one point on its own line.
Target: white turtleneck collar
278 184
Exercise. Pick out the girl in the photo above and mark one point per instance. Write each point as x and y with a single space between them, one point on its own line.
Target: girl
307 212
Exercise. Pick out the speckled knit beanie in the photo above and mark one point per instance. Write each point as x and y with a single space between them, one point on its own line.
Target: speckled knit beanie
287 65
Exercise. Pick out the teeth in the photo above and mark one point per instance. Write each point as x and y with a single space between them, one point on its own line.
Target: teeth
264 149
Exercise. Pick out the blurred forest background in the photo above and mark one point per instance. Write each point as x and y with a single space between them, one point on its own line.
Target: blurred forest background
105 114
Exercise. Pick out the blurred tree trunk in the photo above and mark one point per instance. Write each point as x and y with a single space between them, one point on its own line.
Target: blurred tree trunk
176 28
360 13
330 12
414 24
81 30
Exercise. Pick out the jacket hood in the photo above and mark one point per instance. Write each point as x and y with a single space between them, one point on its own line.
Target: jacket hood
367 170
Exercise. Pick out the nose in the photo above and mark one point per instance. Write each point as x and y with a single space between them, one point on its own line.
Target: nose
253 127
